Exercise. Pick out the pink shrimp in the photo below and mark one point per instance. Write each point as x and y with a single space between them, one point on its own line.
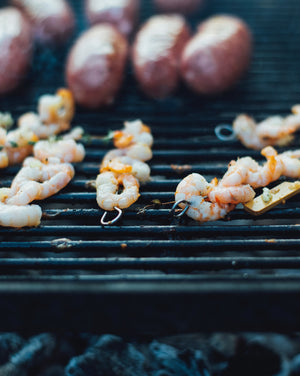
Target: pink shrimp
20 216
65 150
134 132
194 189
108 183
117 161
18 145
231 195
37 181
248 171
275 130
55 113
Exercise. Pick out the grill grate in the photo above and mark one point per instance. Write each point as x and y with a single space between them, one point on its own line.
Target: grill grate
151 273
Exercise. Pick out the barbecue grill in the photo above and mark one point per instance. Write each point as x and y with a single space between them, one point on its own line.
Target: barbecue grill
151 273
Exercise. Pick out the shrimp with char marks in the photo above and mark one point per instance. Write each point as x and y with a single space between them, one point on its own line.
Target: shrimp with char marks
108 184
37 181
275 130
194 189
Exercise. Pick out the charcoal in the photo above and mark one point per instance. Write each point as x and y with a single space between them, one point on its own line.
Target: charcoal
295 366
279 343
253 358
110 356
166 360
36 351
53 370
10 343
223 345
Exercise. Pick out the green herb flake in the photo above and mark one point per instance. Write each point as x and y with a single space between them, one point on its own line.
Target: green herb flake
87 138
109 136
13 144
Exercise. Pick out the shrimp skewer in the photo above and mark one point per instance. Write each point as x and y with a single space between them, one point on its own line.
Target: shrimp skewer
194 189
248 171
207 201
37 181
55 114
275 130
124 166
108 184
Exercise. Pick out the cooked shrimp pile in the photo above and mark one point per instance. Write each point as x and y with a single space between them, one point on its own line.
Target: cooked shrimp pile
212 201
125 167
275 130
54 116
49 170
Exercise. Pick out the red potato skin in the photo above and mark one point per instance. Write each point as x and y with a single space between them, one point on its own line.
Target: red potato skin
178 6
16 48
217 56
156 54
53 21
95 66
123 14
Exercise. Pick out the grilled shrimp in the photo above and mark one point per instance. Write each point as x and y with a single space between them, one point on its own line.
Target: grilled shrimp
31 121
3 155
134 132
20 216
3 134
194 189
139 151
291 163
65 150
4 162
244 127
117 161
58 108
18 145
231 195
75 134
275 130
37 181
55 113
248 171
108 183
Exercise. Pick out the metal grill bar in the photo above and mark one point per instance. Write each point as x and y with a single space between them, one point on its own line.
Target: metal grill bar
183 264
